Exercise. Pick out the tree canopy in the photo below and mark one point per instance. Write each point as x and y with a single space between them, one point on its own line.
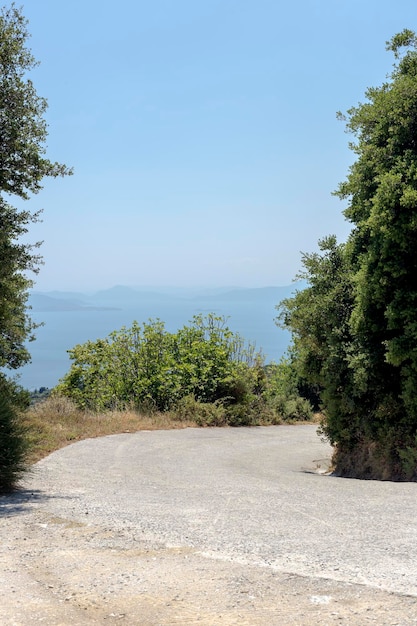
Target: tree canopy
355 326
23 166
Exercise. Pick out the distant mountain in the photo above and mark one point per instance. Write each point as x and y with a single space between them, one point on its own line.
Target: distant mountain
121 297
118 291
187 292
66 295
44 303
128 296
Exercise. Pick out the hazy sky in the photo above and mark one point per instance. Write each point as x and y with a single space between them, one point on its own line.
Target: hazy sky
202 133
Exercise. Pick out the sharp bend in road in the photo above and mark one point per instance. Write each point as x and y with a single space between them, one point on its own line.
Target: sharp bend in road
252 495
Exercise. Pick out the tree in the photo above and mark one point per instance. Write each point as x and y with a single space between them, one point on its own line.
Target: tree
318 317
23 166
362 349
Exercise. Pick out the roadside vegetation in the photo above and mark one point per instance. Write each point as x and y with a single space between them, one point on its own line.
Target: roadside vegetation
226 384
204 372
355 326
14 445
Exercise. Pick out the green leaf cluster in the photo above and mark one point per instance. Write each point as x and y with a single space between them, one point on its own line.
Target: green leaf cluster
204 372
13 446
355 326
23 166
147 365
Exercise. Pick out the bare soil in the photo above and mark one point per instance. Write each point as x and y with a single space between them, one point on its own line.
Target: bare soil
59 573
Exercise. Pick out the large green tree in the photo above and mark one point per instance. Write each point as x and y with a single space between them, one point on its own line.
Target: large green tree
355 327
23 166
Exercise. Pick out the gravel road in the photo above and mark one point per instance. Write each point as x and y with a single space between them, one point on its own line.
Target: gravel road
206 526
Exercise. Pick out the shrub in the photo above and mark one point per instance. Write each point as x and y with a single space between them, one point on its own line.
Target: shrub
13 446
189 409
254 412
292 408
204 373
14 393
283 392
147 365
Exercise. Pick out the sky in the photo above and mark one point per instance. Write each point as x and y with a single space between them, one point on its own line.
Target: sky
202 133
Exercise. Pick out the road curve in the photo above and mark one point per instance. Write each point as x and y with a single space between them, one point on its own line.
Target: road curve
252 494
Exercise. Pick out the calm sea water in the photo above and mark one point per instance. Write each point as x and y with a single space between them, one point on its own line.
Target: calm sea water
64 329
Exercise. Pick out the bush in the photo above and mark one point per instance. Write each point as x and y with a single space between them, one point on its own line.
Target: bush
254 412
147 365
283 392
204 372
13 446
292 408
189 409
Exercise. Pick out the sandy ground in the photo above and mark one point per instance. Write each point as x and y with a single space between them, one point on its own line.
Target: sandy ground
73 551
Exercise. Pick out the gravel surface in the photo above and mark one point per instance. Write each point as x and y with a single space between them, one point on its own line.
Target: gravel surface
206 526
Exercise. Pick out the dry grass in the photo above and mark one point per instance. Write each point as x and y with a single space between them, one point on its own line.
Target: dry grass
56 422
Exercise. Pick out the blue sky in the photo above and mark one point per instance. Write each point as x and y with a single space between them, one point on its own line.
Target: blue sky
203 134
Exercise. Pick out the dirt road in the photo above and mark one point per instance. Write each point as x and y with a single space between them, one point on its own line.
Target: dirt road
213 526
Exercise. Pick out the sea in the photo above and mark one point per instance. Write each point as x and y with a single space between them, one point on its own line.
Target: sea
250 316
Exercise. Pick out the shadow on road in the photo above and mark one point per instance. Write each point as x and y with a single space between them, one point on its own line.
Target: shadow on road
19 501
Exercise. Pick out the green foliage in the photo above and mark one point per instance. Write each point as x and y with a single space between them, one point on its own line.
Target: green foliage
146 364
202 413
408 457
203 372
23 166
13 446
318 317
283 392
354 327
23 133
14 393
292 408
